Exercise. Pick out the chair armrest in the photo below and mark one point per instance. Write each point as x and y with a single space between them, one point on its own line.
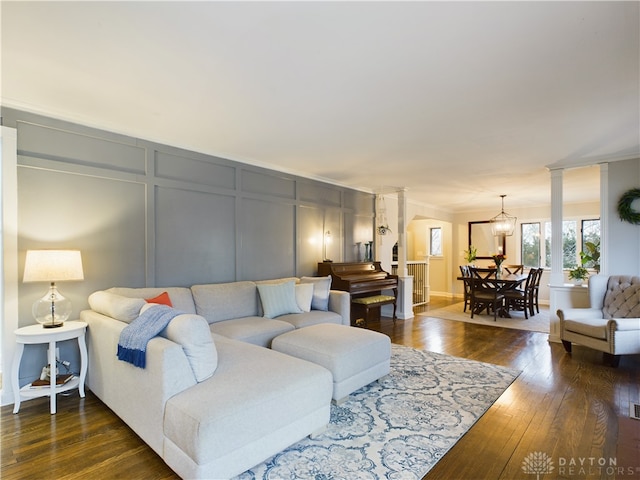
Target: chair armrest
578 313
340 303
622 324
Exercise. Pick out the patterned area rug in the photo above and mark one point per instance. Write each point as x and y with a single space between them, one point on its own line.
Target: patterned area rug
399 427
537 323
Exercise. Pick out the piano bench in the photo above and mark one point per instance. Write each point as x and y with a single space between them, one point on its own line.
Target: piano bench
373 302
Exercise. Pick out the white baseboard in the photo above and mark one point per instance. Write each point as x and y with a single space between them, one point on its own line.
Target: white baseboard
448 295
460 297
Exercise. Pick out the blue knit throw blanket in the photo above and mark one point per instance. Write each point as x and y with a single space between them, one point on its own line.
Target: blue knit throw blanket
132 346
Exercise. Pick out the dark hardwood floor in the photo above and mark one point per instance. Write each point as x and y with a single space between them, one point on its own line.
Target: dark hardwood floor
572 409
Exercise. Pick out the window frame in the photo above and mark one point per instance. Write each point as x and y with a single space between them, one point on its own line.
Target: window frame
540 244
544 243
431 242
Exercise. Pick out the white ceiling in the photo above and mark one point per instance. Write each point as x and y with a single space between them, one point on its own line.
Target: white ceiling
459 102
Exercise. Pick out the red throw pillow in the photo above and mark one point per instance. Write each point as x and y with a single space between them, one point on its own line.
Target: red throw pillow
162 299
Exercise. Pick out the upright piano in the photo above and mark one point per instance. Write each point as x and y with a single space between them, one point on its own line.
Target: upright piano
365 281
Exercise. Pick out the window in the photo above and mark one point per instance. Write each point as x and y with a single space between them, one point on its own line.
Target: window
591 242
590 231
530 252
569 244
435 241
535 248
547 245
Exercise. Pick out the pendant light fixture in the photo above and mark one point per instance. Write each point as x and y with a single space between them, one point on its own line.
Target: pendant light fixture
503 224
381 217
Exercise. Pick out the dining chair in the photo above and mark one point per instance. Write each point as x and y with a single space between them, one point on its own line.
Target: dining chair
484 294
521 299
535 291
483 273
514 269
466 275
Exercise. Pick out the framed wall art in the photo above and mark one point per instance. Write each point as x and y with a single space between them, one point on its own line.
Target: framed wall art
481 237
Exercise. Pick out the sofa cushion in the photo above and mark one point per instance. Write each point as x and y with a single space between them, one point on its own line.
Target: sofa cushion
180 296
594 328
321 287
256 330
314 317
125 309
304 295
191 332
278 299
223 301
254 392
271 281
622 299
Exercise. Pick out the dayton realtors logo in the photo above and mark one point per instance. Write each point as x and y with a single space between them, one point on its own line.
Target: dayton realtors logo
537 463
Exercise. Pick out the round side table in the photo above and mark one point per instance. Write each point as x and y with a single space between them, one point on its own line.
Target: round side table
35 334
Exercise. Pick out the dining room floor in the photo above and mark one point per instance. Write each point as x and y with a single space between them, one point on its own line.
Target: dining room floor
455 311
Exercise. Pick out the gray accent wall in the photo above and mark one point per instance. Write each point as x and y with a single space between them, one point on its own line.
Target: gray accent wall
147 214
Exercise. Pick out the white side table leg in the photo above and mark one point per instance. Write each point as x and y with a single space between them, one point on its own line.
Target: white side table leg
82 345
15 381
53 364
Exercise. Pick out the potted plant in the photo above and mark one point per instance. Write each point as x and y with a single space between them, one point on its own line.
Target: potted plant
591 257
578 274
470 255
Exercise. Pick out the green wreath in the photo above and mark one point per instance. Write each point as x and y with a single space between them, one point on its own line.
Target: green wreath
627 214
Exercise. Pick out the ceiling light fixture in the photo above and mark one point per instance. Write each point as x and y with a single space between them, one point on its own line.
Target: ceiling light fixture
503 224
381 217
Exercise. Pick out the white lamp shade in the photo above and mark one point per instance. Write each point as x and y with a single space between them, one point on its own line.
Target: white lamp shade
53 266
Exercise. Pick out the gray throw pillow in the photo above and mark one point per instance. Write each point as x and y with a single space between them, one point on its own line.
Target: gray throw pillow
278 299
321 288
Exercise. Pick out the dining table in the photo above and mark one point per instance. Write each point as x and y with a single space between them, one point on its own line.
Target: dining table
501 284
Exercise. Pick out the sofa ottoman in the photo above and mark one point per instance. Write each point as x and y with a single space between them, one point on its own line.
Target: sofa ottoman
354 356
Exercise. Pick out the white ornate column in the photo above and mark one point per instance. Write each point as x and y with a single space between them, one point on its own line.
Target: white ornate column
402 233
9 244
405 281
556 279
604 217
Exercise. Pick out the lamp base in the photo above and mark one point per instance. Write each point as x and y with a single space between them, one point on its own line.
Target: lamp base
52 325
53 309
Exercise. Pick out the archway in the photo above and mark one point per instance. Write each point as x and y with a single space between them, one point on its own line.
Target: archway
429 258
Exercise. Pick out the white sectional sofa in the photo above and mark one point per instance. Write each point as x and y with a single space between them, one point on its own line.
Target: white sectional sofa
212 401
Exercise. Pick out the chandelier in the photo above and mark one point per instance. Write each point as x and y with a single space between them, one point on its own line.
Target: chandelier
503 224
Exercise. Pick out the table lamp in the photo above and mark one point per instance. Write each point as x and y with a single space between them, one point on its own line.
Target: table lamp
52 266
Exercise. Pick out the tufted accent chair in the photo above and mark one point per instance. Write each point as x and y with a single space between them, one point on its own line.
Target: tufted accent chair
611 324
